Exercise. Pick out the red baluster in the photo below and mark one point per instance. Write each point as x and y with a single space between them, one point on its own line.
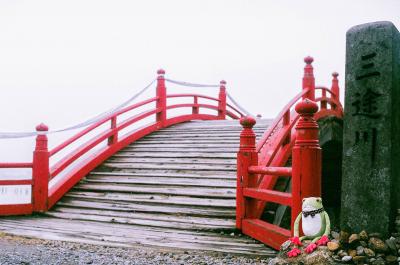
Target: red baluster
308 78
161 91
335 87
222 100
306 155
247 156
40 170
195 108
286 122
323 100
114 137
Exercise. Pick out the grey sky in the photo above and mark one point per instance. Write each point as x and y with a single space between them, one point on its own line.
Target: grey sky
64 61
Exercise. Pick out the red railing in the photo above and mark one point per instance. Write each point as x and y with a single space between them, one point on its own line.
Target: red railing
71 168
293 133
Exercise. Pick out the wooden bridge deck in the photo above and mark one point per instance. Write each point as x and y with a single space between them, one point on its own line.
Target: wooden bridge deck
172 189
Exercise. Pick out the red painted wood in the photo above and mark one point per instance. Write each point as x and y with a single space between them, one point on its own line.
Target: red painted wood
195 108
81 150
246 157
277 144
222 101
283 198
161 92
16 165
276 171
278 120
40 171
16 182
97 124
306 157
17 209
192 95
114 137
335 86
269 234
59 189
308 78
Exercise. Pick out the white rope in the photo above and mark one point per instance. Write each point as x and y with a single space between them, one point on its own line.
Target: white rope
237 105
8 135
182 83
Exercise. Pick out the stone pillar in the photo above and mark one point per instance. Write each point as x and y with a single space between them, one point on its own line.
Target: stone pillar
371 139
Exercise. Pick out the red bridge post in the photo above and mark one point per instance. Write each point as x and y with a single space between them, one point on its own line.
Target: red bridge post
335 87
161 93
247 156
306 157
308 78
222 100
40 170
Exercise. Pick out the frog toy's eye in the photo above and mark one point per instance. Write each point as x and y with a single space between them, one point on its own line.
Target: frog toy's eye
319 200
304 199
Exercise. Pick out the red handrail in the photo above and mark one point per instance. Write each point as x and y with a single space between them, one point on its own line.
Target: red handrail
279 118
45 196
260 165
16 165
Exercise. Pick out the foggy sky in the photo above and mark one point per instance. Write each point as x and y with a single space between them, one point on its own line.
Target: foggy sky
62 62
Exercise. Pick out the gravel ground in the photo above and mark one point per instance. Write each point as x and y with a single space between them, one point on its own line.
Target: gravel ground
18 250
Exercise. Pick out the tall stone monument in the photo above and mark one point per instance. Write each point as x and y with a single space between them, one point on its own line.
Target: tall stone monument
371 137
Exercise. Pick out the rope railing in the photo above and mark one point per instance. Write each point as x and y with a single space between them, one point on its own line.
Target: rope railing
189 84
238 105
110 112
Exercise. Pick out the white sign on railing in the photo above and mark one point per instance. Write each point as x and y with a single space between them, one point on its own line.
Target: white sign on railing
15 194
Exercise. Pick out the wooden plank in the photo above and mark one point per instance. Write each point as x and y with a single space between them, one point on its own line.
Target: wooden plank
88 216
133 231
151 198
135 159
170 166
195 154
171 190
153 242
164 181
217 222
267 233
152 208
179 150
144 174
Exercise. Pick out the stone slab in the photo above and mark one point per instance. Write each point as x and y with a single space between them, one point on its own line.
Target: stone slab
371 150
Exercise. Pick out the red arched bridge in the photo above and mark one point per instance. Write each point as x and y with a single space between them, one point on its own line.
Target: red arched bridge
186 181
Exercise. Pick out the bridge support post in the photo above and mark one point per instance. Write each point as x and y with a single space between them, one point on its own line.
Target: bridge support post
161 93
335 87
222 100
306 157
247 156
40 171
308 78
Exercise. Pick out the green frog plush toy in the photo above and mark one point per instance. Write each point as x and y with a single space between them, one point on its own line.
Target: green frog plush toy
316 226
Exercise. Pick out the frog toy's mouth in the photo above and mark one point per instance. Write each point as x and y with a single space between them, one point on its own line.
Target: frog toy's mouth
307 208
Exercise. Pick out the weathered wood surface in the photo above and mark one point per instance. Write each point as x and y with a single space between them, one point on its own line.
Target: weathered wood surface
172 189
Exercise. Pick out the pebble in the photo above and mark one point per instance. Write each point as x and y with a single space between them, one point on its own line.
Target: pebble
333 246
360 251
363 235
18 250
354 238
369 252
347 258
344 237
335 235
377 245
391 259
391 243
